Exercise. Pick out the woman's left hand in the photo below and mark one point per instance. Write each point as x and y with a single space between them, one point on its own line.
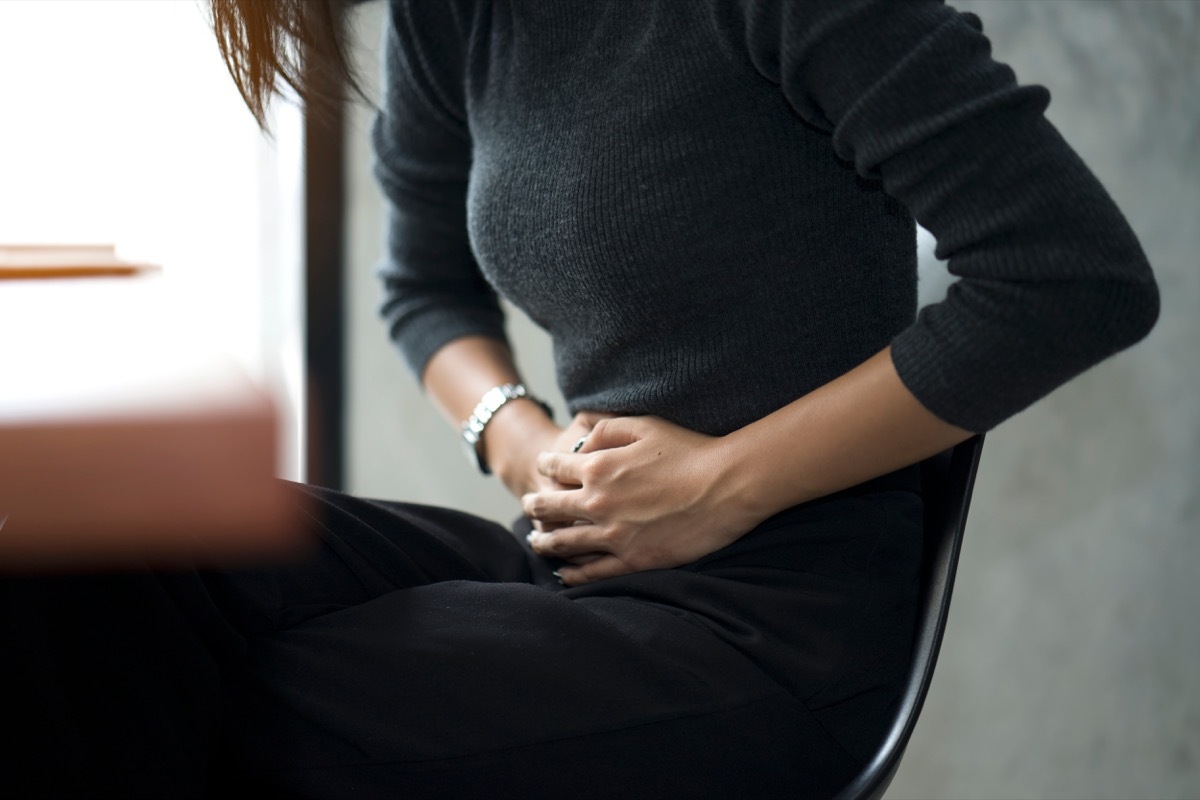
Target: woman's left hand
649 495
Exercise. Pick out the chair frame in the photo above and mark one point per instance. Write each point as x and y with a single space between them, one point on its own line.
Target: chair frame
948 480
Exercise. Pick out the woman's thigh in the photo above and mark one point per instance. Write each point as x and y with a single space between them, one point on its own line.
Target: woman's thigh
490 677
521 691
362 549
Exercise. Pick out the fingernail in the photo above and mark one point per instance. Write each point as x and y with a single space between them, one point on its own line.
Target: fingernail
529 537
558 577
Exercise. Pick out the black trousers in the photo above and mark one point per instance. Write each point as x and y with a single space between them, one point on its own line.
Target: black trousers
421 652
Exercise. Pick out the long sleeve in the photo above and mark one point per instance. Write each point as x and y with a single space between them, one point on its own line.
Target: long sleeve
433 290
1052 278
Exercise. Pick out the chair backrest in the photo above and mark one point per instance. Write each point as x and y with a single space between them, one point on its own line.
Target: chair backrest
947 481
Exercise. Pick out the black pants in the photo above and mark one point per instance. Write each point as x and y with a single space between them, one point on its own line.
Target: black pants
423 652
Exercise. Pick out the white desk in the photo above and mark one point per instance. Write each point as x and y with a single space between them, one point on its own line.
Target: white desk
125 439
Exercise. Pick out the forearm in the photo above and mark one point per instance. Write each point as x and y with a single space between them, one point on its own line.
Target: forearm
457 376
861 425
649 494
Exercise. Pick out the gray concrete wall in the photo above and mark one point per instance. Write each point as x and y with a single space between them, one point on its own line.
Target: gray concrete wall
1071 667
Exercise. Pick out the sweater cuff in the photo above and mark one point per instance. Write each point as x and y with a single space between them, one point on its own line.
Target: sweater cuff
993 348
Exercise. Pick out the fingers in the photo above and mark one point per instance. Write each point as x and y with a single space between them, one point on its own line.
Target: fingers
569 542
565 468
609 432
586 558
600 432
595 570
588 419
559 506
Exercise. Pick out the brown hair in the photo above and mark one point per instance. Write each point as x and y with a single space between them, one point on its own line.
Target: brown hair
272 44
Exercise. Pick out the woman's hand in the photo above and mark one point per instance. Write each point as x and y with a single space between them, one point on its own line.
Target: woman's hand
642 493
580 427
515 444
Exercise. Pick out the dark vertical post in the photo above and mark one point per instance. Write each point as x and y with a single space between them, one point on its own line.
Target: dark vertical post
324 213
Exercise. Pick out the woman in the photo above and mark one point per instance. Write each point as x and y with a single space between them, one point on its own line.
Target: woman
709 205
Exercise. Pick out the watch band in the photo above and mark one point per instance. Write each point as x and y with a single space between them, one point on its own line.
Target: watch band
491 402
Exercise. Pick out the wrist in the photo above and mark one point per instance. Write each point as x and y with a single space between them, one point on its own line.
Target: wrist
475 426
740 480
518 432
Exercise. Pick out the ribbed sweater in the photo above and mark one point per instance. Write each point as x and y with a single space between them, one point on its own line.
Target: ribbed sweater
709 204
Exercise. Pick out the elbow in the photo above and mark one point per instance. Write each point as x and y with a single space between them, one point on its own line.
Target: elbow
1133 311
1097 319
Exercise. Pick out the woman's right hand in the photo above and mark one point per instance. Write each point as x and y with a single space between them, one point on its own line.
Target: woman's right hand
515 443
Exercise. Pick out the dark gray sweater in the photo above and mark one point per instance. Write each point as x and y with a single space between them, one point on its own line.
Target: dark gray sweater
709 203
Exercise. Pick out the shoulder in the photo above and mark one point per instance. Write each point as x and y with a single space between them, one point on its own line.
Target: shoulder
426 45
439 25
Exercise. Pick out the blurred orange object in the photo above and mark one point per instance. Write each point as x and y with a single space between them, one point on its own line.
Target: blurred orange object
125 439
34 261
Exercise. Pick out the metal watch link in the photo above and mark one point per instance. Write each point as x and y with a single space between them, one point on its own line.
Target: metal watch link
491 402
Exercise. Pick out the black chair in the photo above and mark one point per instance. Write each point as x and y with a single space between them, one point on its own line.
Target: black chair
947 480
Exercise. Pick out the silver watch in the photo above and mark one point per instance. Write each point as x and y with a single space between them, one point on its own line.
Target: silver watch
491 402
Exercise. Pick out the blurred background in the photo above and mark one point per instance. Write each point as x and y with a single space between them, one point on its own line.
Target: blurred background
1071 665
120 125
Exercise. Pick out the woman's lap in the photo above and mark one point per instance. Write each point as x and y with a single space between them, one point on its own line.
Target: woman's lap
438 647
425 650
